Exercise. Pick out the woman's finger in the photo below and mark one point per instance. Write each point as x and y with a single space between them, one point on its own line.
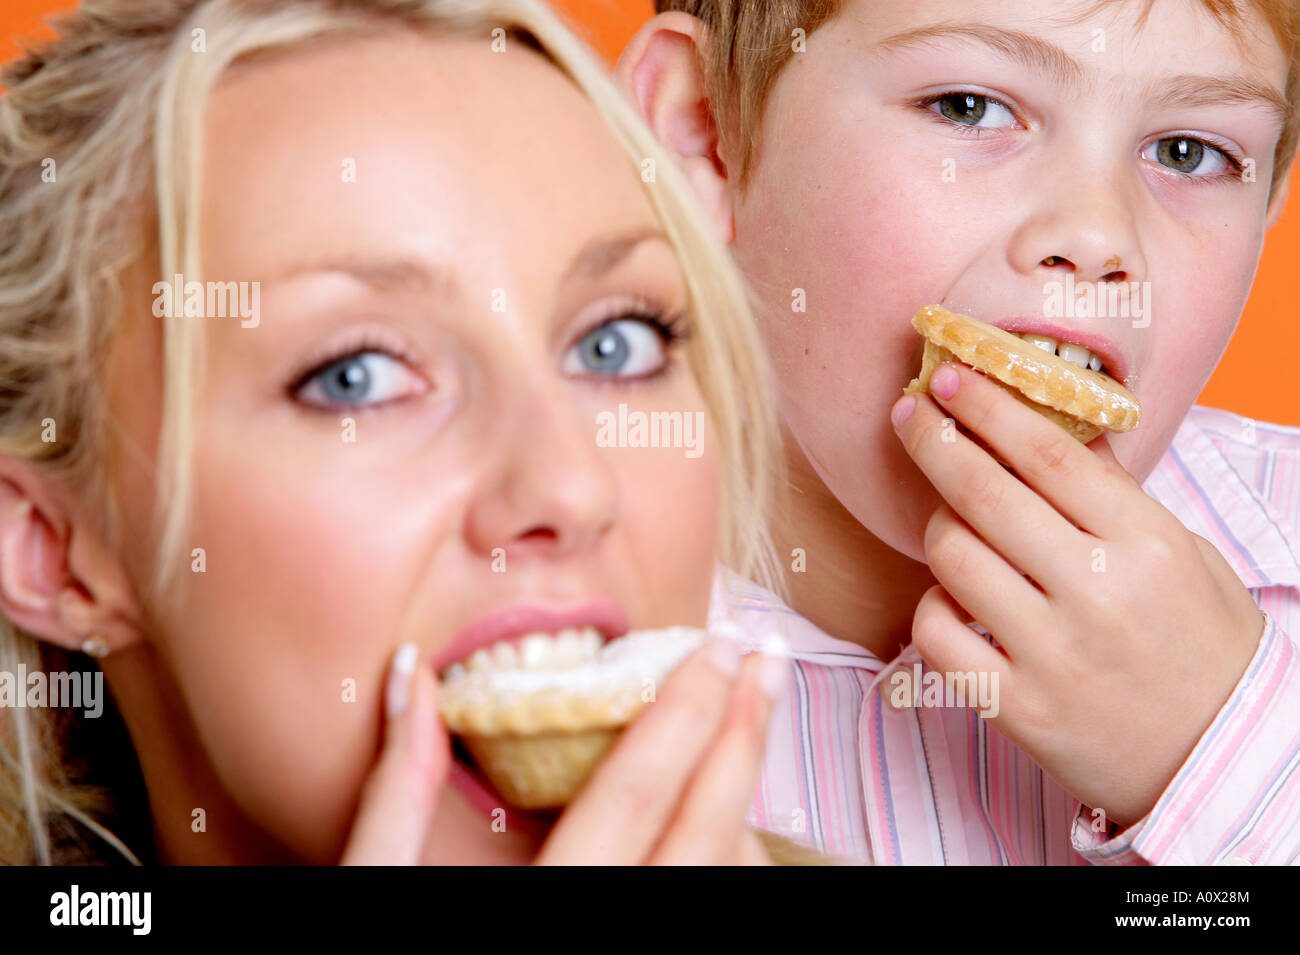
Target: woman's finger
709 827
401 793
620 814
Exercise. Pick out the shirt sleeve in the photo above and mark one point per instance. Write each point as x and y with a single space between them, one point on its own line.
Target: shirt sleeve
1237 798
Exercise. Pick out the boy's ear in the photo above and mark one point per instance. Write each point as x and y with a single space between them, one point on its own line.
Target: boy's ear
660 72
1277 201
58 582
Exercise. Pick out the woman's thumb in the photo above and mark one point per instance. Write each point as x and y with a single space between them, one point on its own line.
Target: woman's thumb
401 793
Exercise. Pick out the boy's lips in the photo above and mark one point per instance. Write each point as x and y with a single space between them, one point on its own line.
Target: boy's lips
514 623
1110 354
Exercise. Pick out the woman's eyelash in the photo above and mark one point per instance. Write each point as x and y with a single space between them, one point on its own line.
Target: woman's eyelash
671 330
362 344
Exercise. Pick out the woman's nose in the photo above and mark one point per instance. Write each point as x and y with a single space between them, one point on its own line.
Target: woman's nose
547 489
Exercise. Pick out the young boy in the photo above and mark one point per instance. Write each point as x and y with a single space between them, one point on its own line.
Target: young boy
1005 158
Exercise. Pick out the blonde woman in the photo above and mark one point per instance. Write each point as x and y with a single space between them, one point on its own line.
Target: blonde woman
442 246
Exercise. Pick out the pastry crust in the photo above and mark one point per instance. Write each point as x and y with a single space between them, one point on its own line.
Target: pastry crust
537 734
1082 401
539 772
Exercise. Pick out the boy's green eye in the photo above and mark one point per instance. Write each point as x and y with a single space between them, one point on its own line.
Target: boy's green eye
970 109
1181 154
1189 156
963 107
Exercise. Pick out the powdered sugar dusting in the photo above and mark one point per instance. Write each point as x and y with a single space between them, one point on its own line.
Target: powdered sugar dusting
621 665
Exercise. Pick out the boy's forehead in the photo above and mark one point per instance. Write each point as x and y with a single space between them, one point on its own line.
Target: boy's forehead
1069 38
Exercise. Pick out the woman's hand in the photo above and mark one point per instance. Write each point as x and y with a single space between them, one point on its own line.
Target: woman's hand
401 793
676 786
674 789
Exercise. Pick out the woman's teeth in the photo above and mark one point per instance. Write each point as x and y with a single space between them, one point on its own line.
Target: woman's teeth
1071 353
536 651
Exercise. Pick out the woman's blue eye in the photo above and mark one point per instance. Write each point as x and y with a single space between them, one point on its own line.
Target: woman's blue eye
1188 156
971 109
363 378
629 348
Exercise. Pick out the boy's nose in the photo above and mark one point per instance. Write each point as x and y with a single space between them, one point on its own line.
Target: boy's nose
1094 240
546 489
1116 274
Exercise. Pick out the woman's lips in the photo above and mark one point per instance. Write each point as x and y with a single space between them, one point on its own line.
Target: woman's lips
513 623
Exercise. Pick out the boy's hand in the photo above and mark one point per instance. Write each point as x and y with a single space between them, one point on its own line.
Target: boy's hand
1130 633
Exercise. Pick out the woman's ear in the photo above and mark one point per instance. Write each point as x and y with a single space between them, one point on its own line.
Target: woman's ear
58 581
660 72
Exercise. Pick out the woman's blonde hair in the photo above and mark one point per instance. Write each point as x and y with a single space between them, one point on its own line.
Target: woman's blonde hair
100 142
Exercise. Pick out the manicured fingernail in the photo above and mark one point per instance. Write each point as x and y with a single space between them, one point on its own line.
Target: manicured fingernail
944 381
399 680
902 410
724 653
774 671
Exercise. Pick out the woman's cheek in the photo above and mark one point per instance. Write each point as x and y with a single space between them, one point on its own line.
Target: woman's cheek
670 504
288 739
281 651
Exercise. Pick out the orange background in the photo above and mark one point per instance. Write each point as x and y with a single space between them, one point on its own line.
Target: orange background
1254 379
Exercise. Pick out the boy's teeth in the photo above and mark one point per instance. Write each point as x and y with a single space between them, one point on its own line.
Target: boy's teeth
1075 353
1072 353
1042 341
536 651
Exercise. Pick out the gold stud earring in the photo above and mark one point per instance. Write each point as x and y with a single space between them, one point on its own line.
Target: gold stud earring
95 646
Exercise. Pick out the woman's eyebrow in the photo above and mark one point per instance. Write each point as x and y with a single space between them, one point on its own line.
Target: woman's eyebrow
382 274
400 274
602 254
1039 55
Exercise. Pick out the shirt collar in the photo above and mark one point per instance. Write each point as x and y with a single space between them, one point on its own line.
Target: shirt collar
751 612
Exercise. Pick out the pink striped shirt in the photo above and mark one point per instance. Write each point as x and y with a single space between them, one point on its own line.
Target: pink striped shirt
853 776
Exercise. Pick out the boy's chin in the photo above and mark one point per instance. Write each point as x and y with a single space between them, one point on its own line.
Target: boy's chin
899 520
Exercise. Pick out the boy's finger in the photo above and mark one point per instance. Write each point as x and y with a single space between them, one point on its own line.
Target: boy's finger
949 646
1013 518
989 589
1080 486
401 794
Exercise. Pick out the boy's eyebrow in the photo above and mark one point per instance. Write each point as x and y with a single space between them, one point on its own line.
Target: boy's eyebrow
1193 89
411 275
1024 48
1035 53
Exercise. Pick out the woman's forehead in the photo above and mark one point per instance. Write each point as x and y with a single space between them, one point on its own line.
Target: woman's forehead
442 141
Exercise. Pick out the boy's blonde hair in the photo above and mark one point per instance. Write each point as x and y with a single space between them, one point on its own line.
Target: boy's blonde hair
748 44
116 102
